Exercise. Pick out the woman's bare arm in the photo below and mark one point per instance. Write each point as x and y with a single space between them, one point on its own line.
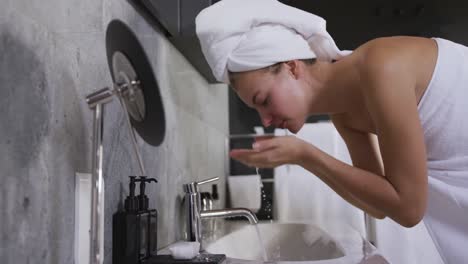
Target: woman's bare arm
392 104
364 155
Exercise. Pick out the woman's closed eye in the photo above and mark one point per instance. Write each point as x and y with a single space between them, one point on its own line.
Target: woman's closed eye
266 101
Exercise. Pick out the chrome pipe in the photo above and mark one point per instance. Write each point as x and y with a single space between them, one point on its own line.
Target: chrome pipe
97 189
132 134
193 222
96 101
370 225
99 97
230 212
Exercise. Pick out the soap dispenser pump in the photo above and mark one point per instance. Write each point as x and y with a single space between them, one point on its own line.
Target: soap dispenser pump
142 197
131 202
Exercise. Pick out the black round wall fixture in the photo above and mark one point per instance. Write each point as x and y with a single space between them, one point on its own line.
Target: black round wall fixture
124 49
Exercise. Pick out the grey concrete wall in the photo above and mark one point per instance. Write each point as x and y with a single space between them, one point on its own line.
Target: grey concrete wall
52 54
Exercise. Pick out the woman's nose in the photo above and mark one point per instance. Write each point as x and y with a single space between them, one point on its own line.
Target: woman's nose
266 119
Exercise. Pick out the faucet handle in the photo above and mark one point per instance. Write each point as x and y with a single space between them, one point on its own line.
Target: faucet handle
193 186
208 180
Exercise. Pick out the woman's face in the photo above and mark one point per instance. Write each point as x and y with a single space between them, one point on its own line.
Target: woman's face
280 98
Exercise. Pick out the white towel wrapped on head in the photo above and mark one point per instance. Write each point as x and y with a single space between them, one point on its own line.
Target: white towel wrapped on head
243 35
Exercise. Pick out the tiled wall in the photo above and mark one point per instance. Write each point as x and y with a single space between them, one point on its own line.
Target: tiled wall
52 54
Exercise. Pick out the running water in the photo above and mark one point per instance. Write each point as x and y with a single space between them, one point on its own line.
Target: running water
261 183
264 199
262 245
268 207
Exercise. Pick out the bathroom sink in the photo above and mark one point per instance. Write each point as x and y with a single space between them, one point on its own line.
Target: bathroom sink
282 242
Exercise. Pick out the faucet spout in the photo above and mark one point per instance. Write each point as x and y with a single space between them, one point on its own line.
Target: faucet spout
195 213
230 212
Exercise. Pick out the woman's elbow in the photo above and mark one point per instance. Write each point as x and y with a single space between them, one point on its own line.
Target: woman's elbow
410 217
411 209
410 222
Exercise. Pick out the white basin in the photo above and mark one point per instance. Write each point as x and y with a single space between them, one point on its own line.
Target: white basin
282 242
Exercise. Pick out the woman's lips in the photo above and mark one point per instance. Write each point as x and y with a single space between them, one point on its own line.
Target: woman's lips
283 124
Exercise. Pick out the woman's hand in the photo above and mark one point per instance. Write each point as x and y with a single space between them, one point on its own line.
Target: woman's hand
270 152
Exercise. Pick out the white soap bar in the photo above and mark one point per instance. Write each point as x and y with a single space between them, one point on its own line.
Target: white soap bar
184 249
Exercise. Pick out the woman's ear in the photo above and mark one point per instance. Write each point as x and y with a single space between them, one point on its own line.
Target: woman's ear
293 68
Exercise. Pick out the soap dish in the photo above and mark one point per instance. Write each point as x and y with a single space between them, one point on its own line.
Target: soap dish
204 258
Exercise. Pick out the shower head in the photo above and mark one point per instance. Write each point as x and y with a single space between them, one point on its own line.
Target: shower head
134 80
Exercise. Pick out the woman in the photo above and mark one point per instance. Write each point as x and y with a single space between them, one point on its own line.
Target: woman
396 101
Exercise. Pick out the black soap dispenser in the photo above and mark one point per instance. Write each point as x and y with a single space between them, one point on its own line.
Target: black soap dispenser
148 221
134 229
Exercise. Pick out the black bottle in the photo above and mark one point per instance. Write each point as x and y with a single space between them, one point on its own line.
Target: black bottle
148 222
134 229
215 196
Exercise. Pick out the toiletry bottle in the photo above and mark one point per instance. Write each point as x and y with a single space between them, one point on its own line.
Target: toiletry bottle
215 196
148 222
134 229
125 223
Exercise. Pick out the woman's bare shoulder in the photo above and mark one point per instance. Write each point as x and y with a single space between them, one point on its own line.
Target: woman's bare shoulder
388 51
391 57
394 43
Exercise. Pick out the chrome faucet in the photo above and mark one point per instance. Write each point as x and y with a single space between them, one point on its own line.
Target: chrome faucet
195 213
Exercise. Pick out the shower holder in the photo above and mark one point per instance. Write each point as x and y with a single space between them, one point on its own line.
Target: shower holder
127 89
